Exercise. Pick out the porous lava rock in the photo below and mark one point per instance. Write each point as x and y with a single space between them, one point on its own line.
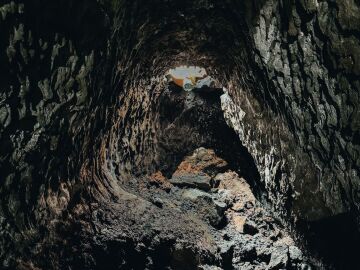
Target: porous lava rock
86 117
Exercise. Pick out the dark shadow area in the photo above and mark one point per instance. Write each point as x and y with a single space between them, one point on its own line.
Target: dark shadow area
335 239
84 22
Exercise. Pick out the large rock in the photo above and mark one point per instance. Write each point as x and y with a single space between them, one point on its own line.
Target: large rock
235 188
205 206
279 258
198 170
195 180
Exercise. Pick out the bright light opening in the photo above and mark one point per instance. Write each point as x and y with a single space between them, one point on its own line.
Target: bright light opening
189 77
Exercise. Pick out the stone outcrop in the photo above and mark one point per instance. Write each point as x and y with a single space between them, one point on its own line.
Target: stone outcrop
237 232
308 130
198 170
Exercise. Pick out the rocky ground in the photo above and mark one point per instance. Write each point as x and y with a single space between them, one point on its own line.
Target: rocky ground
204 217
83 107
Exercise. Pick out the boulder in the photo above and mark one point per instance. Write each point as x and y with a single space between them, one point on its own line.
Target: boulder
279 258
205 206
295 253
194 180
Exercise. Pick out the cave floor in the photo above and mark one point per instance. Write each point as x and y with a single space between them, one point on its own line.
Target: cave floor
204 217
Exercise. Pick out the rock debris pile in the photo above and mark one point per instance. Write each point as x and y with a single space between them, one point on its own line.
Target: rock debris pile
100 165
210 199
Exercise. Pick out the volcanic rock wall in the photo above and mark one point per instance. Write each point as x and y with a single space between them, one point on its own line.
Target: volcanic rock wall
307 52
47 69
80 86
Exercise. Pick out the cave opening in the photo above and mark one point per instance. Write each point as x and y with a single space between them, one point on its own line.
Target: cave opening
189 77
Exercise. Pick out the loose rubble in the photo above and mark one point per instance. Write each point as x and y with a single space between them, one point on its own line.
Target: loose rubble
244 235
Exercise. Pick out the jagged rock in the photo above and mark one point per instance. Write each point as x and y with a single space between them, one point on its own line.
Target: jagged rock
239 222
237 189
279 258
205 160
295 253
226 196
195 180
220 206
196 170
158 179
158 202
85 115
206 207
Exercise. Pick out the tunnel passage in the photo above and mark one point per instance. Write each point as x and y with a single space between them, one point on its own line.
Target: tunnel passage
192 120
80 118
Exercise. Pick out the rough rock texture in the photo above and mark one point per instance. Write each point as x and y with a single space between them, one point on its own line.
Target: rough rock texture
308 53
196 170
222 228
46 85
84 112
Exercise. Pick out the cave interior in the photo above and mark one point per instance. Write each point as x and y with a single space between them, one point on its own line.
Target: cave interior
106 165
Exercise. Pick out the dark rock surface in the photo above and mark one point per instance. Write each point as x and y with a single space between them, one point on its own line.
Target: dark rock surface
235 236
199 170
85 115
201 180
308 56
